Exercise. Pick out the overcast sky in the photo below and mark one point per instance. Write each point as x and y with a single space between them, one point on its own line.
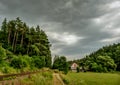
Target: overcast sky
75 27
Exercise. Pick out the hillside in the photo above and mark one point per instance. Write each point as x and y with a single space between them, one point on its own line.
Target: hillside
23 48
106 59
112 51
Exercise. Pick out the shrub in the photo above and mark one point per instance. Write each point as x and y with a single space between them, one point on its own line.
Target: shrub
47 75
2 53
78 69
19 62
65 81
39 61
8 69
5 68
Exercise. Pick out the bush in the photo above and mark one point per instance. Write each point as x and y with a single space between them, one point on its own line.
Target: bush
8 69
47 75
2 53
39 61
5 68
19 62
78 69
65 81
9 55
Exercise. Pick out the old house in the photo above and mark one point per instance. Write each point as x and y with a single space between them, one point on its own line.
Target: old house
74 67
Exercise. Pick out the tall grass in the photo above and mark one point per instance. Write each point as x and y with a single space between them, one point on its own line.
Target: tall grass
91 79
43 78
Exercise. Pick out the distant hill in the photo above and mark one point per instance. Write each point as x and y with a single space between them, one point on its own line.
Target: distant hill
105 59
111 50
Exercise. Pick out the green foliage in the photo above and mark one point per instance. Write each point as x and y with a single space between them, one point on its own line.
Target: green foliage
4 26
113 51
65 81
102 64
8 69
56 62
2 53
61 64
5 68
19 62
19 43
39 61
78 69
106 59
47 74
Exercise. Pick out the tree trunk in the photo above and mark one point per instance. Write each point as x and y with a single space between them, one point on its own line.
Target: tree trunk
22 39
28 47
9 33
13 41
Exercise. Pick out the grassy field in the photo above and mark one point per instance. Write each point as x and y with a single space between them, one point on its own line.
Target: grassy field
91 78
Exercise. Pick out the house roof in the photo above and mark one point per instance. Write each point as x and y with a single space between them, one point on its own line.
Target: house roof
74 65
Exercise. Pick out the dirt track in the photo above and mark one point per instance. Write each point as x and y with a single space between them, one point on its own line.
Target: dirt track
17 75
57 79
17 80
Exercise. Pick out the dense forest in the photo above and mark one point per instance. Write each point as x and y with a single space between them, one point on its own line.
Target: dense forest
23 47
106 59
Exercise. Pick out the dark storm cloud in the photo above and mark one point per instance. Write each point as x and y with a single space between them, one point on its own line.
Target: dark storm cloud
75 27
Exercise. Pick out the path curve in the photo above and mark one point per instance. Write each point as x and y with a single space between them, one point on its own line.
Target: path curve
57 79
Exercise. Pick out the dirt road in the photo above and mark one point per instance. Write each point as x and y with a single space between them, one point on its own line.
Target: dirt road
57 79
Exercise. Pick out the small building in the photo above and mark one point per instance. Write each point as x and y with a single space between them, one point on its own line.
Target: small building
74 67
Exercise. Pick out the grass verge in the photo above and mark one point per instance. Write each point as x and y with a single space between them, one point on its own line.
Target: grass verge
91 78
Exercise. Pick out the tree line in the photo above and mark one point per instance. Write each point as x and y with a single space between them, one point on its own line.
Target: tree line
23 46
106 59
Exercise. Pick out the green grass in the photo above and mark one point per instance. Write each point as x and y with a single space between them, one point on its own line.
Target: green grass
42 78
92 78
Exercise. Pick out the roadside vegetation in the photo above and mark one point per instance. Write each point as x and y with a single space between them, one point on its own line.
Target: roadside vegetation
43 78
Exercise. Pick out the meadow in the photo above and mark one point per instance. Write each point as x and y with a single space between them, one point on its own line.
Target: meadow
89 78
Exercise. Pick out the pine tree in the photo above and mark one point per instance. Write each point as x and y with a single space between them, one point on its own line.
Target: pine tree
3 33
4 26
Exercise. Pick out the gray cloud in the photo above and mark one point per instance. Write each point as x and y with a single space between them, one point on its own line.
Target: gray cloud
75 27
